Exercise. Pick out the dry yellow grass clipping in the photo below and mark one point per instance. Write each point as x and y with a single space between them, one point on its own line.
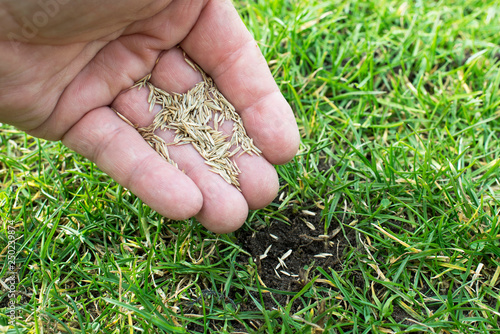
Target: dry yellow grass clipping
196 118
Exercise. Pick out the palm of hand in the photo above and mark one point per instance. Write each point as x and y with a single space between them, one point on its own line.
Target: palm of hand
65 90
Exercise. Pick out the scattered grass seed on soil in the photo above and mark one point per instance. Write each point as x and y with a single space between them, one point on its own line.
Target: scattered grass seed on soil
190 116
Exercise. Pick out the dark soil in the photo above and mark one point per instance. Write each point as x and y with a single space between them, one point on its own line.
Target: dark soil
311 247
304 243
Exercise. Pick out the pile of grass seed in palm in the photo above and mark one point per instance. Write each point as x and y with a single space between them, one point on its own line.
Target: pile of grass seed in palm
197 117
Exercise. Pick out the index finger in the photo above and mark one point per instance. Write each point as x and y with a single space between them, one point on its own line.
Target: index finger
221 44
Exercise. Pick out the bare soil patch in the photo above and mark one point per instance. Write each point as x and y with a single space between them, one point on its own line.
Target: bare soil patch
288 254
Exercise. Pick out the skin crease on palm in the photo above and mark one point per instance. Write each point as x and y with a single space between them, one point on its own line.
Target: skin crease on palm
60 82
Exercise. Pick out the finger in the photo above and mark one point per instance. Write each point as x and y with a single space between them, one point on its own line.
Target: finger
222 46
224 208
122 153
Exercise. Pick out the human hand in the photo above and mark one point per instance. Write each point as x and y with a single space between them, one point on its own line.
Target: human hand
61 73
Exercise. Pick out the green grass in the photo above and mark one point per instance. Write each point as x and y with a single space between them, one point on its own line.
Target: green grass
398 106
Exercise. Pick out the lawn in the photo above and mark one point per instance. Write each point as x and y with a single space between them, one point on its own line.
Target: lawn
387 220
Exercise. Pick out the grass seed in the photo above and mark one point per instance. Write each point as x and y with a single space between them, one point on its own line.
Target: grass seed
189 115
